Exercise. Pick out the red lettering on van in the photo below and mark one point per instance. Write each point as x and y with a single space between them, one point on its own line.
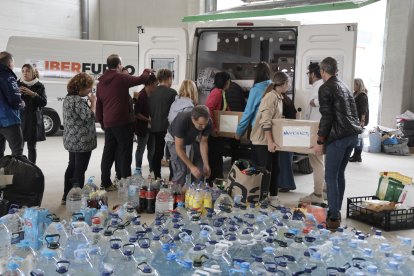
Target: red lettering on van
54 66
76 67
65 66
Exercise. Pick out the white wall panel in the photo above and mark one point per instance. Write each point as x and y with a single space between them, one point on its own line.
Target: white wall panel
46 18
119 19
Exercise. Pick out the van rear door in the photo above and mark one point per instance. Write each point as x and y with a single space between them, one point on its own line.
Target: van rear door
164 48
315 42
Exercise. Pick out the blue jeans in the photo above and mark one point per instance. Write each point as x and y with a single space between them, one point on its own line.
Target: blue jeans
139 153
285 177
336 159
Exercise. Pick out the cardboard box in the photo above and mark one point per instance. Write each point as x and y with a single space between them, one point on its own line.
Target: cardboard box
226 122
295 135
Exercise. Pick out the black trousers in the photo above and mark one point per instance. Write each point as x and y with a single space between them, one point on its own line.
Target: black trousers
31 149
118 148
13 135
262 158
159 143
75 172
215 157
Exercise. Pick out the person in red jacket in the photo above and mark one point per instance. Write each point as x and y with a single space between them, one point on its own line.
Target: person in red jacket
113 113
217 101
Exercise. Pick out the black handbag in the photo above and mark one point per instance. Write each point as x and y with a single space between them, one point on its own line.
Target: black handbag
40 127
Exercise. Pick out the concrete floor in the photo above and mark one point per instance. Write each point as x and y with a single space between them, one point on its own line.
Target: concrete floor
362 178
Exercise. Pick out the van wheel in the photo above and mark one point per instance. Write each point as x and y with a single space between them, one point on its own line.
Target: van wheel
51 122
304 166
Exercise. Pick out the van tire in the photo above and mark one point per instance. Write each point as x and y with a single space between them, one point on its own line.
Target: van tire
51 121
304 166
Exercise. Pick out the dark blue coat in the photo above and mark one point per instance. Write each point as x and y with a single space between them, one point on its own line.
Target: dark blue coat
10 100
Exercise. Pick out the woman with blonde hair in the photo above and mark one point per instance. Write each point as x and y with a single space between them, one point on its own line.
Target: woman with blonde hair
34 97
186 99
264 154
361 101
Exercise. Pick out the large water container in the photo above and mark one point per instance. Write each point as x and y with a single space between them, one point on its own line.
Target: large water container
74 199
89 188
164 201
81 265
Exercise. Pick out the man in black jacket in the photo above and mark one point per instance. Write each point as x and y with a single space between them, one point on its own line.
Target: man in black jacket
338 132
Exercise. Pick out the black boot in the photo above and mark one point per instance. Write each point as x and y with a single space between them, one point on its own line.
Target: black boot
356 157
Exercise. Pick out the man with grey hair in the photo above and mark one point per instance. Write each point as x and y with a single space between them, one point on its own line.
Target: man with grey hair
186 129
338 133
10 105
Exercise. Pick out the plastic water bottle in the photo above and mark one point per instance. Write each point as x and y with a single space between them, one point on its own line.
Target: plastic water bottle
375 240
81 265
144 269
315 261
392 268
13 269
5 241
57 227
405 246
74 199
46 261
283 269
128 264
165 201
123 190
25 254
14 224
223 204
150 199
114 255
133 193
404 267
62 267
77 239
89 188
144 251
335 258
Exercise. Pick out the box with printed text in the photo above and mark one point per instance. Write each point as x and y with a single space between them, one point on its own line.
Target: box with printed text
295 135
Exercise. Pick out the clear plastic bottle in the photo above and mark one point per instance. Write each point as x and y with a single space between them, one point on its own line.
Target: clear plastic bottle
189 196
78 238
13 269
128 264
392 268
74 199
25 255
89 188
144 251
14 224
375 240
123 190
57 227
5 241
144 269
114 254
165 201
81 265
133 193
62 267
223 204
335 258
46 261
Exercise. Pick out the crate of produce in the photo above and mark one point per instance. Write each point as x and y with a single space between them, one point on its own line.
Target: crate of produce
387 220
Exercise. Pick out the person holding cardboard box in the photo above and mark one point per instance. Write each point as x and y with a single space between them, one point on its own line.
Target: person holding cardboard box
338 135
312 113
264 148
217 101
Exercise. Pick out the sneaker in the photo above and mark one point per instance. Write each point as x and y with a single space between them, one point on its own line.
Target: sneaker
115 182
274 201
312 198
111 188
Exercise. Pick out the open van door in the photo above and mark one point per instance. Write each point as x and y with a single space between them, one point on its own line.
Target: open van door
164 48
316 42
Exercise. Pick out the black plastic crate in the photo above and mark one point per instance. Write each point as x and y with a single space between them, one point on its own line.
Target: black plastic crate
386 220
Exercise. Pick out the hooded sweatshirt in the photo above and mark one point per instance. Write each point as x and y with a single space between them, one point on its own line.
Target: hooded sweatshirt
180 104
249 114
112 103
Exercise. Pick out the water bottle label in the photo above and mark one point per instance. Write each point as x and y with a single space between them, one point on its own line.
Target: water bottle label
17 237
132 190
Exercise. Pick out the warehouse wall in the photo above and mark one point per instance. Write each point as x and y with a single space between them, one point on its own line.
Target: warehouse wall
397 93
119 19
46 18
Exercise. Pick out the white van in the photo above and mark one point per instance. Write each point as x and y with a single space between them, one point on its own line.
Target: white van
57 60
236 46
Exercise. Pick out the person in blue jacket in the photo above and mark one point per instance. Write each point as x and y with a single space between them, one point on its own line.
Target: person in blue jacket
10 105
261 81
